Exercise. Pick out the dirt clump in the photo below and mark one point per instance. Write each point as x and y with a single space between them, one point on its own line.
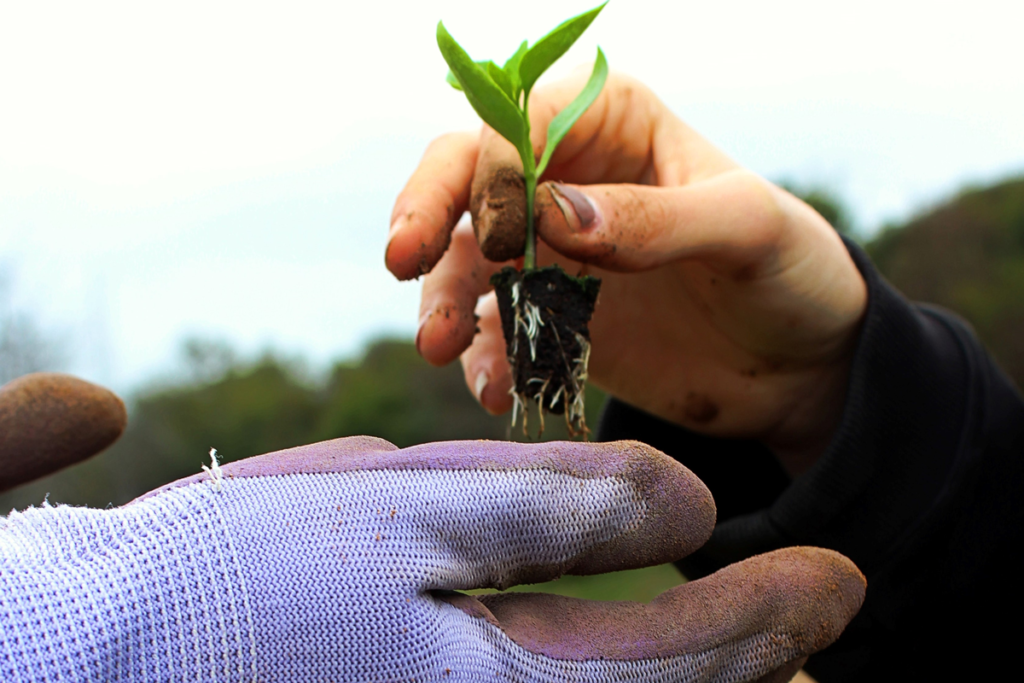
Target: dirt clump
545 315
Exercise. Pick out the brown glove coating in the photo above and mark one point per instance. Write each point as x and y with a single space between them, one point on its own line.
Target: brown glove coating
801 597
49 421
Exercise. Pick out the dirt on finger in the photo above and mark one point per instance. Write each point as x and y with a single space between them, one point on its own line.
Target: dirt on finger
498 208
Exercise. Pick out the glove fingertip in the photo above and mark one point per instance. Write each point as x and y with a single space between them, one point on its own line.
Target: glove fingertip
679 516
49 421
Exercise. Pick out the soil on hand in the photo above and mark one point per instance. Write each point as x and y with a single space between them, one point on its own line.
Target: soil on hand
498 208
545 315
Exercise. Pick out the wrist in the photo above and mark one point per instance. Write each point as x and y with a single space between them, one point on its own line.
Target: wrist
806 431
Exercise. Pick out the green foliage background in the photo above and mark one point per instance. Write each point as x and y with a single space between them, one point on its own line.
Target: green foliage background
966 254
244 409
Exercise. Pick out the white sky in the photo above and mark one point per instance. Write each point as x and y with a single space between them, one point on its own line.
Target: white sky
227 169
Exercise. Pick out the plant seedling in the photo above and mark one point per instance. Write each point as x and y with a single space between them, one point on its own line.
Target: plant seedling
544 311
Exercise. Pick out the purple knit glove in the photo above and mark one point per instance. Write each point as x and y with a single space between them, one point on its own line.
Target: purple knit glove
339 561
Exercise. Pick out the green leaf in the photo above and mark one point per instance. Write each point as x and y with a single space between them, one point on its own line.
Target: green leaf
487 98
563 122
490 67
548 49
500 78
512 69
453 81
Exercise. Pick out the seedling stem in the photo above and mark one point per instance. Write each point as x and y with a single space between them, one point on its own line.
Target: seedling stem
548 367
495 93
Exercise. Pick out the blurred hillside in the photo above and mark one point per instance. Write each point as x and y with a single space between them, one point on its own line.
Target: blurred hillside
967 255
24 347
247 408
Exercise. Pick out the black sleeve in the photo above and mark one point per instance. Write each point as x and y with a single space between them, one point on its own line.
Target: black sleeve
921 486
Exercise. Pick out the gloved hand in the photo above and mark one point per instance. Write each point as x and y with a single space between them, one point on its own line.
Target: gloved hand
339 561
49 421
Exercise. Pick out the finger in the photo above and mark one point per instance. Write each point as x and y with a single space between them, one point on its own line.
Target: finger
610 142
428 208
626 136
485 362
743 623
493 514
563 507
449 297
49 421
498 200
735 218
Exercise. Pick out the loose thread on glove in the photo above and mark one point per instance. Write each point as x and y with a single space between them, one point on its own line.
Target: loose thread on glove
215 472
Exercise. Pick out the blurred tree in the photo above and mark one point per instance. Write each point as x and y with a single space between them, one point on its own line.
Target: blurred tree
207 360
243 409
249 410
392 393
967 255
23 346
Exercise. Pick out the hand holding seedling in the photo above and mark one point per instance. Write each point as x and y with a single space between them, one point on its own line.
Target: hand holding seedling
727 305
544 312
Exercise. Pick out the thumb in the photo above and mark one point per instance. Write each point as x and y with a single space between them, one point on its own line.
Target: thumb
743 623
732 218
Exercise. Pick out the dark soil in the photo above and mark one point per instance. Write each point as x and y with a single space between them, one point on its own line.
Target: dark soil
553 369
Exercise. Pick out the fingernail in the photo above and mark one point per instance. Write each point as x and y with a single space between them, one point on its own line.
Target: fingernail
482 379
572 201
392 231
391 238
419 331
396 225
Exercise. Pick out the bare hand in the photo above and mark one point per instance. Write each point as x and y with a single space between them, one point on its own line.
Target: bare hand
728 305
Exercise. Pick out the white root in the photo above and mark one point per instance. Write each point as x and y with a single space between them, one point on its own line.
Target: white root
554 399
517 404
579 379
539 398
527 317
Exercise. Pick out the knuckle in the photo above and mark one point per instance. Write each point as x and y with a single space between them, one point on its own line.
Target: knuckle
765 211
446 141
631 216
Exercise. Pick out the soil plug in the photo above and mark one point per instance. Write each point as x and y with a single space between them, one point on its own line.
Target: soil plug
544 311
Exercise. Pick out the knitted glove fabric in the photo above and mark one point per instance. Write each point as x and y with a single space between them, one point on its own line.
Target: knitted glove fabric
339 561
